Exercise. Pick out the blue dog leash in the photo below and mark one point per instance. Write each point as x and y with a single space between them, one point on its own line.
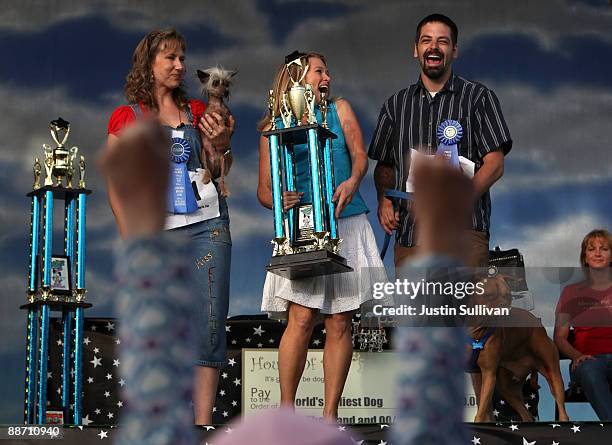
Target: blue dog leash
394 196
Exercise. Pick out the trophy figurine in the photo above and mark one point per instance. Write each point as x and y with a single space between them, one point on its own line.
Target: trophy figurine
48 164
306 242
323 107
310 104
82 172
37 171
70 169
271 105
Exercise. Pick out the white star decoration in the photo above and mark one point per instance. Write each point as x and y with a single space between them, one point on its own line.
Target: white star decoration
90 380
110 326
228 328
103 434
231 362
575 429
258 330
98 411
532 396
222 393
476 440
119 403
96 362
110 415
237 382
495 413
96 350
382 442
121 382
116 363
528 443
224 375
555 425
109 376
554 443
513 427
225 414
316 342
106 394
85 420
86 340
118 342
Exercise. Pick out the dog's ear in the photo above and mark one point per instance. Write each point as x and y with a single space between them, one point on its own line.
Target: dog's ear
203 76
233 73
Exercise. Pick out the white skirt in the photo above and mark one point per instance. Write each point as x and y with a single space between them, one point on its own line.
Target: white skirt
332 294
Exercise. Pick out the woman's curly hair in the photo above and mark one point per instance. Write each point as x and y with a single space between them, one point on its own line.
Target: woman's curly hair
139 81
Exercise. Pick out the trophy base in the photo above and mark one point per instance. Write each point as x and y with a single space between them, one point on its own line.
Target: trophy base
308 264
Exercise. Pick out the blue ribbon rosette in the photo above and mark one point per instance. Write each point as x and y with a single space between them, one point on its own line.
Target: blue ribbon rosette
181 198
449 134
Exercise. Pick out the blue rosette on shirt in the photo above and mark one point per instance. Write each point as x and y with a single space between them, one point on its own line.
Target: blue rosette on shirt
449 134
180 193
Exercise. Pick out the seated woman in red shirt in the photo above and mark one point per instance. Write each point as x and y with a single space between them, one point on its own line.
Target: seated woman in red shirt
587 306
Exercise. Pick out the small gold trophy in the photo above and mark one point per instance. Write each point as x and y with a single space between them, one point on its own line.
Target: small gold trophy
296 92
59 160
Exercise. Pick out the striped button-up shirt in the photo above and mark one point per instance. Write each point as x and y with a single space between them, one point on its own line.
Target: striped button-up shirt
409 120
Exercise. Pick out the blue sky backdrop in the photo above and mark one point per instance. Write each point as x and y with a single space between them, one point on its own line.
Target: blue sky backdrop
549 62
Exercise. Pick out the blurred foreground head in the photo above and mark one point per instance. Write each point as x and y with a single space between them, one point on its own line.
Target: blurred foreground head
281 427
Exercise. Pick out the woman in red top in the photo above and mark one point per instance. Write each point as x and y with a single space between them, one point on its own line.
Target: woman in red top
587 306
195 206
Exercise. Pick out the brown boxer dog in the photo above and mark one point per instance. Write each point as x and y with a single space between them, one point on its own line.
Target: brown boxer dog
515 347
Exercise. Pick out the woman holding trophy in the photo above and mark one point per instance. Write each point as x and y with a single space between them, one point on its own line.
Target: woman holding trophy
335 297
195 207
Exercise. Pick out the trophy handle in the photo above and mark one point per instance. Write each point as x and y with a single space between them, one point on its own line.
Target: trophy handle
55 135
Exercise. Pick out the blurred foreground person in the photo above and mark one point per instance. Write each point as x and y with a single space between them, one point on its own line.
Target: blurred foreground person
281 427
431 382
156 294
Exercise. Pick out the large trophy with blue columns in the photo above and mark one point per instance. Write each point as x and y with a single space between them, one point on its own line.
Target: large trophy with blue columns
56 280
306 241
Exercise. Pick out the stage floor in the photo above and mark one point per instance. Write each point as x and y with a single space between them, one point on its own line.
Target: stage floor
537 433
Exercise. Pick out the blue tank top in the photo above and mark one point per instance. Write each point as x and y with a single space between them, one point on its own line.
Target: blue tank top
341 159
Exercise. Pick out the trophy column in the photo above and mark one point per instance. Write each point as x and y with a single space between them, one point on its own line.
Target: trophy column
51 286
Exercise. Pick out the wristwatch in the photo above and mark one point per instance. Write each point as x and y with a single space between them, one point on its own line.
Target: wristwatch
227 152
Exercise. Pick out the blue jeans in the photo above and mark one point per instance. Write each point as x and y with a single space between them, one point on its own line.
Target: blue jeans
211 259
595 378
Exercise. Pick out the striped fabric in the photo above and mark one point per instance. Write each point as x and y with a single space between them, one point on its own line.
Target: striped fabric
409 120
